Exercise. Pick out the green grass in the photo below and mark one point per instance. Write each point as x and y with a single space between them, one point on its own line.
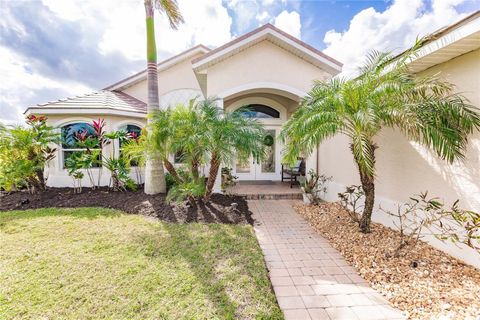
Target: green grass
94 263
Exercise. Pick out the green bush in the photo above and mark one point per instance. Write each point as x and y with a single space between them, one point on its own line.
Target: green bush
24 153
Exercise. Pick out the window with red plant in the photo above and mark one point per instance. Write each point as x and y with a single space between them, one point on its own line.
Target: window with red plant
81 137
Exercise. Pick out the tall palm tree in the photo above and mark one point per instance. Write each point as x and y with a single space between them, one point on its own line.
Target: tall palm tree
386 94
229 135
154 175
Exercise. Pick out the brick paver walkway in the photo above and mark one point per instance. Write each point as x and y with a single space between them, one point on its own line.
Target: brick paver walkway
310 278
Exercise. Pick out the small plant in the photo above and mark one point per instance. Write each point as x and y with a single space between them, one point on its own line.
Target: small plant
228 179
120 181
314 186
73 164
190 190
423 216
350 200
134 153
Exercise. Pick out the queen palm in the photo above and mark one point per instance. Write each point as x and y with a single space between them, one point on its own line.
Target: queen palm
154 175
386 94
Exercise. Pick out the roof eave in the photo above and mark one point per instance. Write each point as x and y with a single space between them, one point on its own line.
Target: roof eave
317 57
464 38
163 65
84 111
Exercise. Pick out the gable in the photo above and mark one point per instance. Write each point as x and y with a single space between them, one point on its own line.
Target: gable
263 62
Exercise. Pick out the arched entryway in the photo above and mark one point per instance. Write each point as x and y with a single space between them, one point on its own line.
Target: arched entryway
272 111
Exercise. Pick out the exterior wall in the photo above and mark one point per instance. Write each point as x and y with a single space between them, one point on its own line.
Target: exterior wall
268 65
263 62
405 168
58 177
179 76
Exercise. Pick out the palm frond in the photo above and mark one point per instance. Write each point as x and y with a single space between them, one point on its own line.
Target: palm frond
171 10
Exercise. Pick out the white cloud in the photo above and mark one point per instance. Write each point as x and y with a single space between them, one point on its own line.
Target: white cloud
289 22
393 29
122 24
121 29
19 84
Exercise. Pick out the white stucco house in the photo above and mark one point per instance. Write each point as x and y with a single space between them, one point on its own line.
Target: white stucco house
405 168
271 71
267 69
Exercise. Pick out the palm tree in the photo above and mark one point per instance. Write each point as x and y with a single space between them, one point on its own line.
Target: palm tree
154 175
386 94
229 135
162 138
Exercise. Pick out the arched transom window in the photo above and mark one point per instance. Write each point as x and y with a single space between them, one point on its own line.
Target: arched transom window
260 111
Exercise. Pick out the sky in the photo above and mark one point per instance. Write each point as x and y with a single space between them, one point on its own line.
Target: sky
52 49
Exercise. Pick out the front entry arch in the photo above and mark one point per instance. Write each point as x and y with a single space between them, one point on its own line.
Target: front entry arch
272 115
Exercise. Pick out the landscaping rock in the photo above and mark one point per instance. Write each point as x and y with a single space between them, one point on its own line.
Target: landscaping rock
424 282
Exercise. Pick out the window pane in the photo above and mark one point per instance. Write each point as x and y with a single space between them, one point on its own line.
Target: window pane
72 133
268 165
96 160
179 157
133 130
260 111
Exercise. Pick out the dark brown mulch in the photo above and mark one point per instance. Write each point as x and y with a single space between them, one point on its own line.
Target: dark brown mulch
218 210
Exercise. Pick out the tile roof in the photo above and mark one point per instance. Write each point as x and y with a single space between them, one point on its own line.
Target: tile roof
103 99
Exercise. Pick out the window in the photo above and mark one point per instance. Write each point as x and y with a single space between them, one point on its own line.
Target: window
179 157
74 138
134 133
260 111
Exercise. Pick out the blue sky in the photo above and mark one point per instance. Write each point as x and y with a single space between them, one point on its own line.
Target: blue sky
52 49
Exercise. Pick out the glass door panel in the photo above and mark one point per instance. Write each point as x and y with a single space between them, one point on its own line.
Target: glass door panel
268 164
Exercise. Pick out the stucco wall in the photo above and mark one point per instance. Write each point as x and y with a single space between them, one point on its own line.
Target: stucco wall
405 168
263 62
179 76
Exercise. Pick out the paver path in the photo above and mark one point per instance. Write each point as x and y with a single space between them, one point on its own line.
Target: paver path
310 278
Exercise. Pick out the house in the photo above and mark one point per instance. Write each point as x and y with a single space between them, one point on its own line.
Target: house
405 168
266 69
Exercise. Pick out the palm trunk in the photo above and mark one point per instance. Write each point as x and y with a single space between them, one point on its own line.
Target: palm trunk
368 185
171 169
212 175
194 167
154 174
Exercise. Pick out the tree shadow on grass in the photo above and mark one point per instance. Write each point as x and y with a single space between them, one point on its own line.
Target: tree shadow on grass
204 250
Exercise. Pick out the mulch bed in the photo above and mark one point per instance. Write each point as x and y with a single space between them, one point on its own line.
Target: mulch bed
218 210
424 282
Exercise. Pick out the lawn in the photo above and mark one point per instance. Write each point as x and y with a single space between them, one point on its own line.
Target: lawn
93 263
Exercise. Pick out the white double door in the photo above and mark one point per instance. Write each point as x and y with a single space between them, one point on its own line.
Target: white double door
266 169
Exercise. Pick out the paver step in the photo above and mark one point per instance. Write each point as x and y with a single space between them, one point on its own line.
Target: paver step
278 196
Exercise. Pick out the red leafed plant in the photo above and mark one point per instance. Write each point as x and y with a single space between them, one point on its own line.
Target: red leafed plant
133 136
81 136
98 127
32 119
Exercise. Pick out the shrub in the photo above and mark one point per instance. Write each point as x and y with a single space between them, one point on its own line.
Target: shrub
423 216
314 185
189 190
24 153
350 200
